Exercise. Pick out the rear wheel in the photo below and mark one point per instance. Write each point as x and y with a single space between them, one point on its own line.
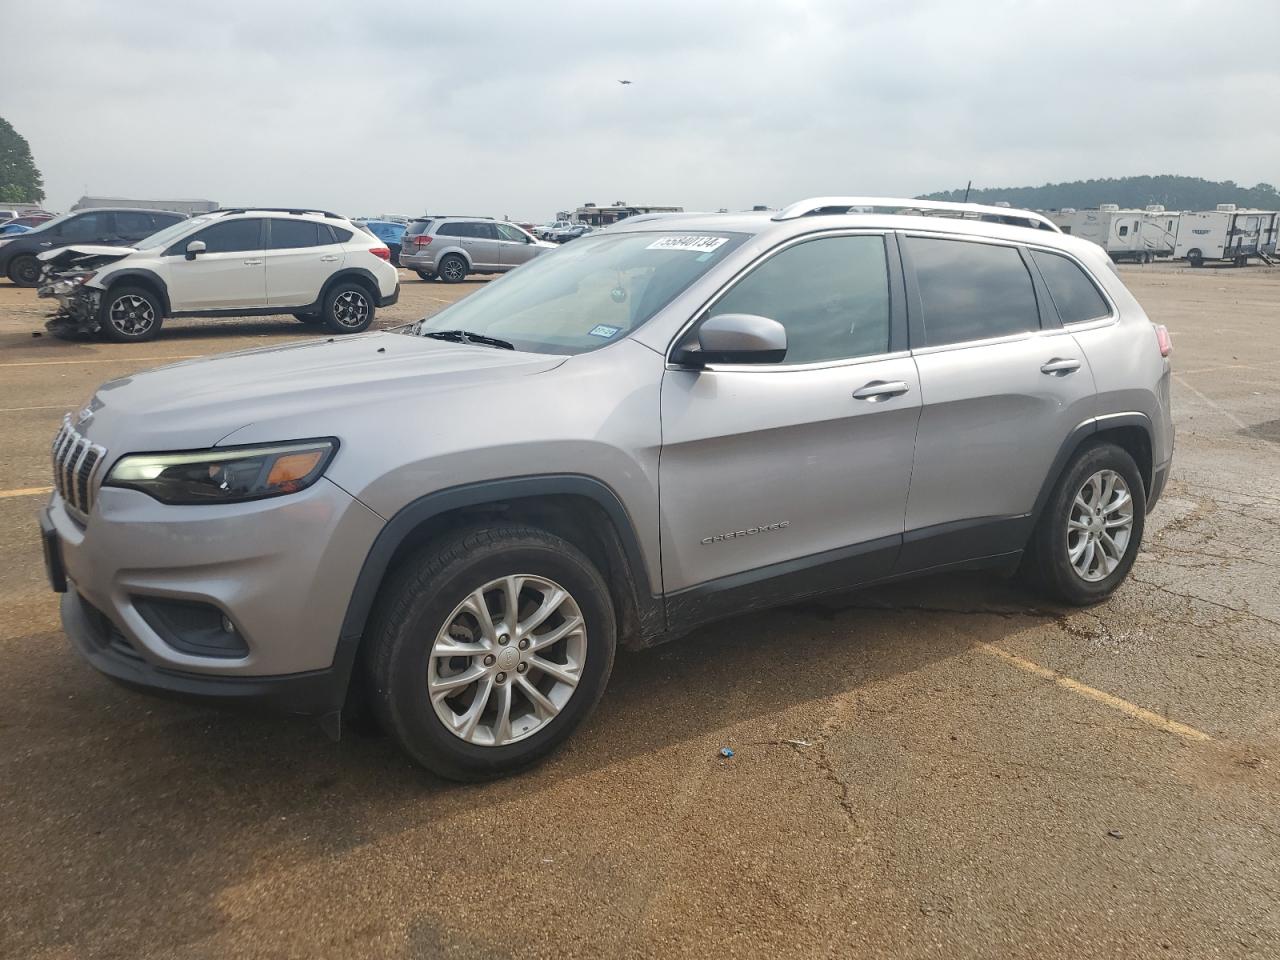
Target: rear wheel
348 308
25 271
1195 258
1089 533
453 269
130 315
488 650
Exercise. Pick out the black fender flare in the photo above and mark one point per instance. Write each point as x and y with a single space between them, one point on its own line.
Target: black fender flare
348 274
149 277
414 514
1080 435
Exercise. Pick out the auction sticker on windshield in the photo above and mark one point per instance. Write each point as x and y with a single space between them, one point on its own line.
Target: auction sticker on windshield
688 242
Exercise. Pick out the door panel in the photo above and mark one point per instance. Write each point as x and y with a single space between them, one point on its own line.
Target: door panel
230 274
300 257
748 450
513 248
480 240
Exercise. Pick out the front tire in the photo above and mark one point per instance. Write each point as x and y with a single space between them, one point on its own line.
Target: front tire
453 269
348 308
488 650
1089 534
25 271
130 315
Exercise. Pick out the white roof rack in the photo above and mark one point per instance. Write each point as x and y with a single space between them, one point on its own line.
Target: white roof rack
976 211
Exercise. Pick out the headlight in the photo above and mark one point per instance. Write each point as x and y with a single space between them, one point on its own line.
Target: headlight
226 475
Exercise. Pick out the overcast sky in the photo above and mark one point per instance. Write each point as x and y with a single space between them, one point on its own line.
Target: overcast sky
515 108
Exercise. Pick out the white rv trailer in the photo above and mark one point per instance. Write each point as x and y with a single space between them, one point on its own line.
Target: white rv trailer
1228 233
1138 235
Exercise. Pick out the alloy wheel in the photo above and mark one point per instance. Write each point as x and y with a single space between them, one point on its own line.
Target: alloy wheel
452 269
131 315
1099 525
350 308
507 660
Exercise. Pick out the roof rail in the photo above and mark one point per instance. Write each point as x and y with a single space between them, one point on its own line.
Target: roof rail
451 216
815 206
294 210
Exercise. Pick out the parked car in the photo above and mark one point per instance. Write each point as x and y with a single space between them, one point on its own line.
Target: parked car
25 220
13 229
615 445
545 231
451 248
107 226
241 262
571 233
389 232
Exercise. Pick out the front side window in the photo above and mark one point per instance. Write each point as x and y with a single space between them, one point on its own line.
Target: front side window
292 234
91 226
1073 293
971 291
231 236
589 294
508 232
831 294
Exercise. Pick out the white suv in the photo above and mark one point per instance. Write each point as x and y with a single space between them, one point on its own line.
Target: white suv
317 266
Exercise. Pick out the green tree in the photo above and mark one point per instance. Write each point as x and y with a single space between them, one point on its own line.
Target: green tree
20 180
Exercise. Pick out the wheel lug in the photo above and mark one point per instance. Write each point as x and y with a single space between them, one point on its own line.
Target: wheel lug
500 678
523 644
489 660
521 667
503 639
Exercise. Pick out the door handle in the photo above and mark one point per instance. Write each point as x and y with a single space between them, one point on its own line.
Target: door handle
253 263
878 390
329 259
1060 368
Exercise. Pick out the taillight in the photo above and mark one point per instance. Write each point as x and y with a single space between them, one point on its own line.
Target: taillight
1163 340
382 253
421 240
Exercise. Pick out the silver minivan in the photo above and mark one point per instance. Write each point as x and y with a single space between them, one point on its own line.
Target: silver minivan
673 420
451 248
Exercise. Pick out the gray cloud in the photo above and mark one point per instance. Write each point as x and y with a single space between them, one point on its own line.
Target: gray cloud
516 109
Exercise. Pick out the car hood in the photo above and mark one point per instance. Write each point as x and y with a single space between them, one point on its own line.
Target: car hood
66 255
198 403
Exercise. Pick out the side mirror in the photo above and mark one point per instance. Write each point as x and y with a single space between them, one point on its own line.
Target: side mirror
735 338
194 248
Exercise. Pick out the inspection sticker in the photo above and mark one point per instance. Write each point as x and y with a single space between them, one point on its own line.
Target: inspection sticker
688 242
603 330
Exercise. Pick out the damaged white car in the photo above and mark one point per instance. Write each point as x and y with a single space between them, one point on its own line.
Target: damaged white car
245 262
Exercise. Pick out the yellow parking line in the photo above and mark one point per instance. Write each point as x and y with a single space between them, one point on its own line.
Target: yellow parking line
54 363
1101 696
25 492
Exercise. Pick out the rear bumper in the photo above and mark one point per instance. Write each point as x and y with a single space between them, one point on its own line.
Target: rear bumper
388 300
99 641
418 261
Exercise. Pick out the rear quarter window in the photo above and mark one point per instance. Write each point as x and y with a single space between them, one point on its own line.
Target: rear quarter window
1073 293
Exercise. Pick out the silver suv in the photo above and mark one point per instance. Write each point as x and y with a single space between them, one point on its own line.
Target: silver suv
453 247
676 419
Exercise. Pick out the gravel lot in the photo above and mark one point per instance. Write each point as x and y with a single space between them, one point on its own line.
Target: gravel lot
941 769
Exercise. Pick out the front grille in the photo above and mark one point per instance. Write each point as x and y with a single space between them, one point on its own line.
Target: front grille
75 460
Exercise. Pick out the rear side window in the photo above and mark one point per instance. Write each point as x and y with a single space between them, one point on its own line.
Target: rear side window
451 230
478 231
1071 290
291 234
90 226
338 234
831 294
231 236
971 291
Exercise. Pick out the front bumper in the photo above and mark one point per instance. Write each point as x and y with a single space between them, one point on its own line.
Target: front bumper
314 693
280 570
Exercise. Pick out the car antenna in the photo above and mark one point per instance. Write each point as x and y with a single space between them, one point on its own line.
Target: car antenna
966 191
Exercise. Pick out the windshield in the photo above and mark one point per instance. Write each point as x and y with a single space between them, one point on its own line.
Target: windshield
586 295
170 233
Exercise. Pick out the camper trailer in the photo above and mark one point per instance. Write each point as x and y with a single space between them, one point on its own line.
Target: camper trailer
1228 233
1137 235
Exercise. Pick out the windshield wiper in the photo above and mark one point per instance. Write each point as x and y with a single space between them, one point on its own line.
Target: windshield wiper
465 336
